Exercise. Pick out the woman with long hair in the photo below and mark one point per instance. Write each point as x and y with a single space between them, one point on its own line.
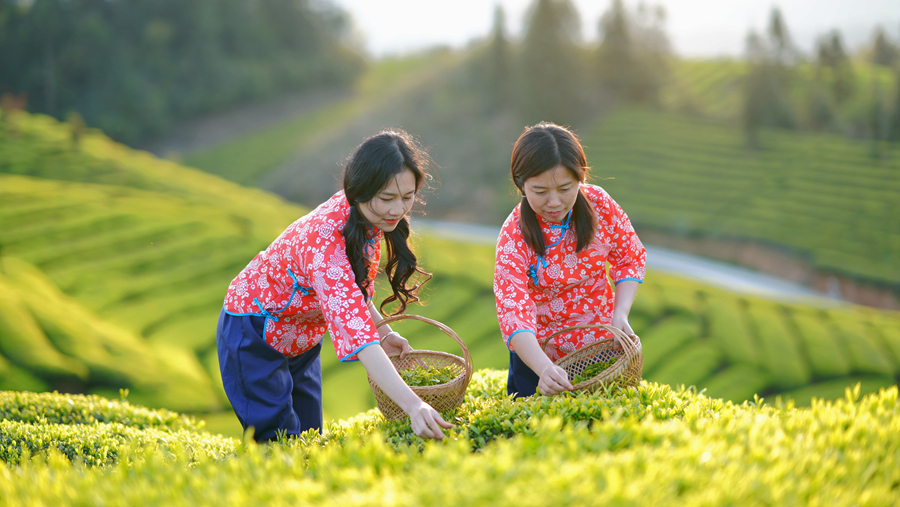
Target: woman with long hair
550 268
319 275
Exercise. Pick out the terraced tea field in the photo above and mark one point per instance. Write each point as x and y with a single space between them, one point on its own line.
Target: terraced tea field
821 196
714 88
114 264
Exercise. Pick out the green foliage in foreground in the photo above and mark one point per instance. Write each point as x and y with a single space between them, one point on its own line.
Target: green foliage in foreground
650 445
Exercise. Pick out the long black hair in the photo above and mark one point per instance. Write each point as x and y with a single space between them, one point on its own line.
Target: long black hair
541 148
371 167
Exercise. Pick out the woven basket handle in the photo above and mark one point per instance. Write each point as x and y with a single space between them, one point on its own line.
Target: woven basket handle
449 332
631 349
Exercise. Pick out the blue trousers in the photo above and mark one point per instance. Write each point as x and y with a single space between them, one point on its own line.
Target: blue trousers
268 391
522 380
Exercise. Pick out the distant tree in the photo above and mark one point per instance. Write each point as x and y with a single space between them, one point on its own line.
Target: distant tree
499 66
893 121
782 51
766 102
822 113
883 51
832 60
77 129
552 75
616 58
132 67
633 51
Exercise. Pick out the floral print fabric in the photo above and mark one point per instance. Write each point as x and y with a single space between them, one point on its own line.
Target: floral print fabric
314 251
573 288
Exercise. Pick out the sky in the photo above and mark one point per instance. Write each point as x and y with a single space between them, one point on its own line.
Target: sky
696 28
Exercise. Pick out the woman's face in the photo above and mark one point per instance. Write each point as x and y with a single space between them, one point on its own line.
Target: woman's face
392 202
552 193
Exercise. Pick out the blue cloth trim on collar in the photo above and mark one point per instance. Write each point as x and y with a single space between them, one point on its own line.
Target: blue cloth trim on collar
533 268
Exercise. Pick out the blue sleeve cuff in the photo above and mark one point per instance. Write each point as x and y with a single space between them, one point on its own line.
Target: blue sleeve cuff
509 339
351 357
638 280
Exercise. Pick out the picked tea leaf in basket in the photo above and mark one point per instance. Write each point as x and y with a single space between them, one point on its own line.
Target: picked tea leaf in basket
451 372
617 366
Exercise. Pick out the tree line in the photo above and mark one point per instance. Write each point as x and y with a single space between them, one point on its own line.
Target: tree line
552 75
132 68
830 86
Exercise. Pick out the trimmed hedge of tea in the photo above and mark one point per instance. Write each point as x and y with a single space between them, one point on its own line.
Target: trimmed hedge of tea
649 445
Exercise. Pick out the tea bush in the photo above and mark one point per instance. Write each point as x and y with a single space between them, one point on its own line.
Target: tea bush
650 445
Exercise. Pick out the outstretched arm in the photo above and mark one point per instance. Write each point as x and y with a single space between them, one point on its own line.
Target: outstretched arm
426 421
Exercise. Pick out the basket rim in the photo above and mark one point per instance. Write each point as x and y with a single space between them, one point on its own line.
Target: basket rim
456 386
467 357
631 350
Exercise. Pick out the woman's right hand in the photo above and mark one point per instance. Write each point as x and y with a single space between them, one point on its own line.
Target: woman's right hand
427 422
553 381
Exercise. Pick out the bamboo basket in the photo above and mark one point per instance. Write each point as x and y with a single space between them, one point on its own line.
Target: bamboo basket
626 371
442 396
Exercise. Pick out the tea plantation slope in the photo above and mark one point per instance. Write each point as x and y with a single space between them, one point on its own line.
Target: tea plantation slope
820 195
153 263
145 249
649 445
48 341
145 246
738 346
715 88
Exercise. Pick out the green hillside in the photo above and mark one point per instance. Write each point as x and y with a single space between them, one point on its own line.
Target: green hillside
714 88
820 195
433 96
684 169
145 249
118 237
650 445
114 264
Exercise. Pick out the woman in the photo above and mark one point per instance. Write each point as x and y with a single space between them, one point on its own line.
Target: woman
317 275
550 268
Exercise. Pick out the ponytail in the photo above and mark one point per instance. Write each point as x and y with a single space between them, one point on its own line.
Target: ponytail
355 239
400 266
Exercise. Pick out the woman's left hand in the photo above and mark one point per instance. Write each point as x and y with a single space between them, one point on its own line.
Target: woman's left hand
622 323
394 344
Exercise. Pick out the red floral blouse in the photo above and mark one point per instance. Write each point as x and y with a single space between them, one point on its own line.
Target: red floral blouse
303 283
561 288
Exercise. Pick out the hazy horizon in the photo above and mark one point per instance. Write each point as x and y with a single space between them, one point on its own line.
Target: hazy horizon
696 28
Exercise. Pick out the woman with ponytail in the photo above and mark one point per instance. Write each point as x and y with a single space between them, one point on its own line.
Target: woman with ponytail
319 275
550 269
